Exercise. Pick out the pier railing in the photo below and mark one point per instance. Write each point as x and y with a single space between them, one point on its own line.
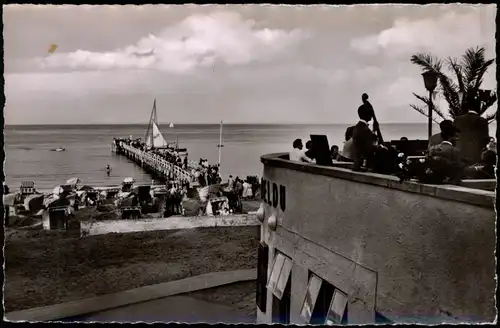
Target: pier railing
156 163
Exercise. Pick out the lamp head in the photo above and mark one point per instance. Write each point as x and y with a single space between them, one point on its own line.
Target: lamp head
430 80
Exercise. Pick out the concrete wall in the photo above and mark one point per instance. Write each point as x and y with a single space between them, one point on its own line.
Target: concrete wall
411 256
170 223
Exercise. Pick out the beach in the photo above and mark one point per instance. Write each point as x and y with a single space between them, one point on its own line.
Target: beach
46 267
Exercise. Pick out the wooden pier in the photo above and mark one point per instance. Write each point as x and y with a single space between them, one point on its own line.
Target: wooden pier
152 163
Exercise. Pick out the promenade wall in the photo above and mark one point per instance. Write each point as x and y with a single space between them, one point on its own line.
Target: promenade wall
409 251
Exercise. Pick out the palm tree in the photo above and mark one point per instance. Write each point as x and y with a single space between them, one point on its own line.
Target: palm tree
462 92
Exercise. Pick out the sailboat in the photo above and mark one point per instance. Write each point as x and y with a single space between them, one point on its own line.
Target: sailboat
154 138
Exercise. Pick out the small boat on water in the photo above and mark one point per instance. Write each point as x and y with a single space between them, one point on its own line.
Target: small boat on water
154 137
58 149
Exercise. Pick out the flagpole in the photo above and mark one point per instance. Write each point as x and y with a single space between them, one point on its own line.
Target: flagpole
220 144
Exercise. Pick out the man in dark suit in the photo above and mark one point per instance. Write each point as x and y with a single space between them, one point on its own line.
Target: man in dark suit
447 127
446 149
446 159
474 136
363 138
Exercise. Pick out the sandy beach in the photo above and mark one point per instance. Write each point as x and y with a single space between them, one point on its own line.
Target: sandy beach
45 268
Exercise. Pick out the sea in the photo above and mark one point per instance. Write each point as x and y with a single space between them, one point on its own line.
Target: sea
88 149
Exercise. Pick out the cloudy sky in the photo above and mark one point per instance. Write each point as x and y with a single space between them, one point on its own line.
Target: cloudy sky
240 64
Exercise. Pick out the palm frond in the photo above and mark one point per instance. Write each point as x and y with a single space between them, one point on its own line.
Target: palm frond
457 69
481 72
426 101
423 112
469 74
427 62
450 92
471 63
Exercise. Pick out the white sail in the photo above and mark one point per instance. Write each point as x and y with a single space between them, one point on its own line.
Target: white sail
171 125
157 139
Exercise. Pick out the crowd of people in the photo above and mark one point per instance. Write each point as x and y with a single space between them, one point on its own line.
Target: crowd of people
462 149
172 156
173 201
206 174
243 188
202 172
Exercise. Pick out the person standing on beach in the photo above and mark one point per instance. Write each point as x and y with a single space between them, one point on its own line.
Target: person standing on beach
230 183
238 187
108 170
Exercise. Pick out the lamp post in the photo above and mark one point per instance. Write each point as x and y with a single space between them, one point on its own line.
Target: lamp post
430 82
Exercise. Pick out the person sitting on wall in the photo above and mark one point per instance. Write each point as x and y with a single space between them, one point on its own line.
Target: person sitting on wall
444 162
298 154
363 139
309 151
346 155
485 169
446 127
334 152
447 148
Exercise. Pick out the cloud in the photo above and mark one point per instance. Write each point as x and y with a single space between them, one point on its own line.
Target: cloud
367 73
394 78
198 41
450 34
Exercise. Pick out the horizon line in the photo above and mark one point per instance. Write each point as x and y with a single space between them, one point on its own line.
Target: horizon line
200 123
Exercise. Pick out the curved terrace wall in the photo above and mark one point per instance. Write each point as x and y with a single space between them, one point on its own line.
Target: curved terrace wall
431 248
